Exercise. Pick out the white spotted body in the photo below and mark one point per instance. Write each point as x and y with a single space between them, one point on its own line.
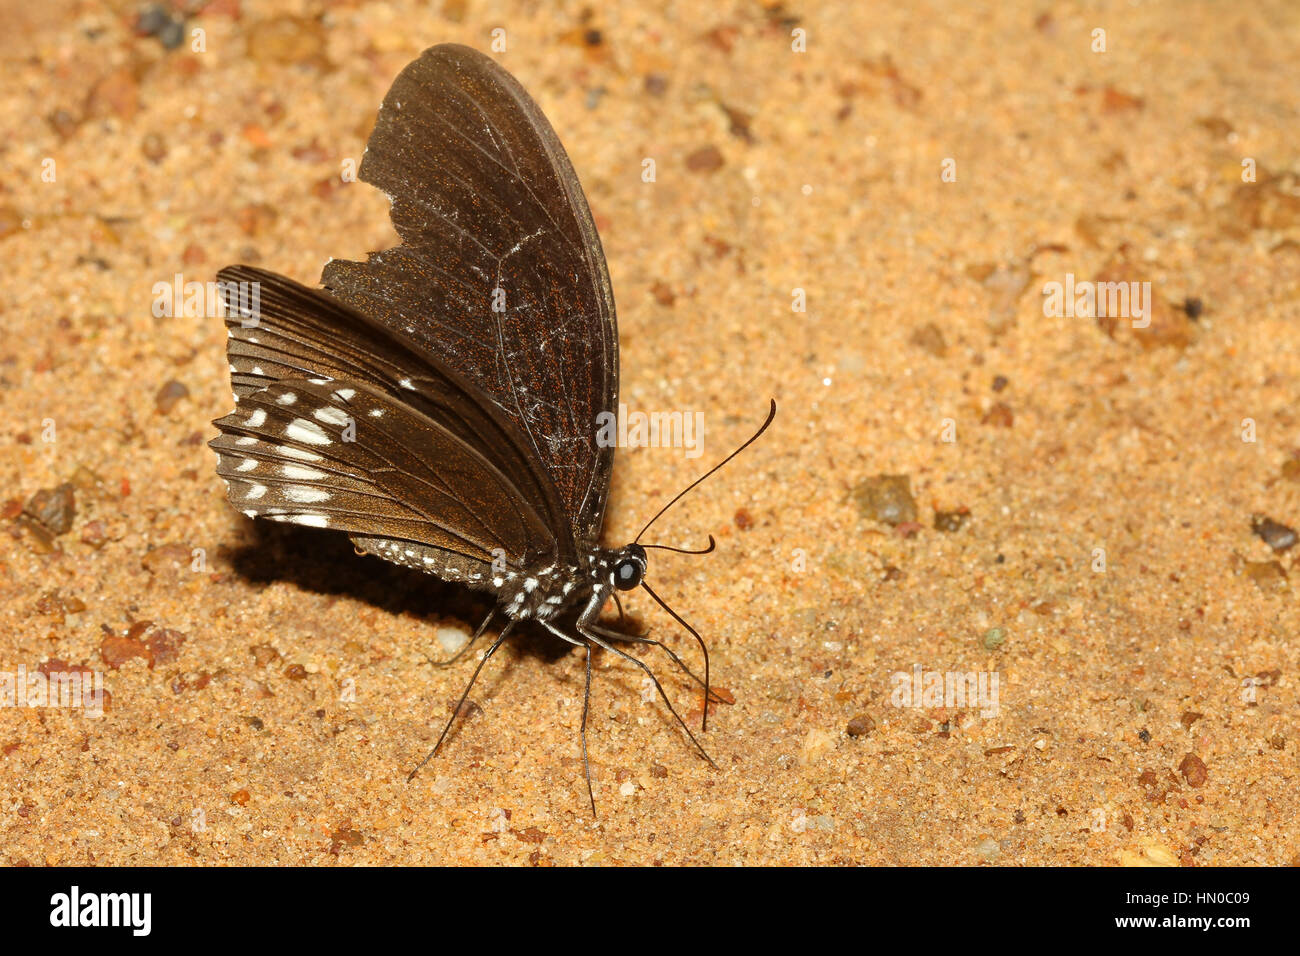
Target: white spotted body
541 593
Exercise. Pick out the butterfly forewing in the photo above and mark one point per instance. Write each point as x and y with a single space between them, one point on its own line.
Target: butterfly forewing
500 273
297 332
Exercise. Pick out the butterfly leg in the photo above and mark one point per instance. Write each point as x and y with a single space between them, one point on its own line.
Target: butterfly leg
582 732
468 644
612 635
586 700
490 651
596 639
588 619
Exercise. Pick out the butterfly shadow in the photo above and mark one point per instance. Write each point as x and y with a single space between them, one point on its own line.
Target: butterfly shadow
327 564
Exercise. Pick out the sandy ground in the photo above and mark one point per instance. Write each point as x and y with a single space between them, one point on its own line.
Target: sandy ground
1077 520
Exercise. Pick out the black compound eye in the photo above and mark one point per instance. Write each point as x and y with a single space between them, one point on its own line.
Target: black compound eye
627 574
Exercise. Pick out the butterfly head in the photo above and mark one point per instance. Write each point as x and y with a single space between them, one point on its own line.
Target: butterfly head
627 567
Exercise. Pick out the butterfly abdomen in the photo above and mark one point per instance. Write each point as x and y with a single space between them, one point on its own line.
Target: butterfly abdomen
538 593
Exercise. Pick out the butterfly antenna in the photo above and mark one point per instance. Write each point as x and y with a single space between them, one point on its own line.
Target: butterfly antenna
663 547
753 438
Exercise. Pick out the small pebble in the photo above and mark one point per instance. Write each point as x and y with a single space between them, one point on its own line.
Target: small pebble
1273 533
663 293
167 559
154 148
994 638
886 498
1160 855
860 726
156 21
85 479
164 645
929 338
1268 575
950 521
115 650
451 639
169 395
999 415
264 654
54 508
816 744
64 122
706 159
1194 770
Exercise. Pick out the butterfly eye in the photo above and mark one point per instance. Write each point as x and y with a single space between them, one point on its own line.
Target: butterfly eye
627 574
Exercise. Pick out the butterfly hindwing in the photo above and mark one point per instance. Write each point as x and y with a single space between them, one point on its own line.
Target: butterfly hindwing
500 272
343 455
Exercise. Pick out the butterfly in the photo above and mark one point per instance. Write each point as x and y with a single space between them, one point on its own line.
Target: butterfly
438 402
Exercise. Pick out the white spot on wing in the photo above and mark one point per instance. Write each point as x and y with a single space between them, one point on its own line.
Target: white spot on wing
301 473
331 416
300 453
304 495
309 433
310 521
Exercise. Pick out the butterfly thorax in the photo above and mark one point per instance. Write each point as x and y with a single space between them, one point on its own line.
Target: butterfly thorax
547 587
